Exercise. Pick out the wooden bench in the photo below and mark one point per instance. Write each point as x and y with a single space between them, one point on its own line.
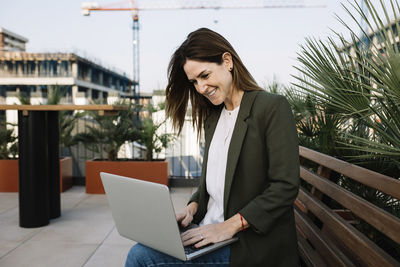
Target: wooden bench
329 237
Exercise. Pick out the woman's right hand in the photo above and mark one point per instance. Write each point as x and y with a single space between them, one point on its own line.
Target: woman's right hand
185 217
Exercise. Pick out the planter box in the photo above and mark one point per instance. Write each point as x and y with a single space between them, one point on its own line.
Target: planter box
9 174
152 171
65 174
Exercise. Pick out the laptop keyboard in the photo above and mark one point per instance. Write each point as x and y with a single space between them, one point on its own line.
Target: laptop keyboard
184 229
191 248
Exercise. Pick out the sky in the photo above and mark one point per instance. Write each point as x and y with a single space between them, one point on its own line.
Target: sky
267 40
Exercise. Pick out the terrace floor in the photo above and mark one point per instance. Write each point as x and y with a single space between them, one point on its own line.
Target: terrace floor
84 235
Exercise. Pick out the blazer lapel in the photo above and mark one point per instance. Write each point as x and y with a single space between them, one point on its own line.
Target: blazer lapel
235 147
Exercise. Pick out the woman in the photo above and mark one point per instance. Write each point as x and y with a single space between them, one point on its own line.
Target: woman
250 172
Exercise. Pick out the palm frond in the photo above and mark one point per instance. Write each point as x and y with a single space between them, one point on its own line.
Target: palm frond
360 83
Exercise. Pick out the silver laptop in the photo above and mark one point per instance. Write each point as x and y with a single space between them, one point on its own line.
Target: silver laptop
143 212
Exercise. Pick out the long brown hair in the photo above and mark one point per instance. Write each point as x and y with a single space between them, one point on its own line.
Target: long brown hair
202 45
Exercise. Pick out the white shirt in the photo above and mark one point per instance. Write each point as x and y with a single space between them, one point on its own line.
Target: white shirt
216 166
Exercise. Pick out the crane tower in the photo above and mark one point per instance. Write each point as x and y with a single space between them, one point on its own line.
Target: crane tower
146 5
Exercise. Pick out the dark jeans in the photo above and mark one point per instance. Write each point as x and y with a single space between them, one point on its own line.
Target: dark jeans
143 256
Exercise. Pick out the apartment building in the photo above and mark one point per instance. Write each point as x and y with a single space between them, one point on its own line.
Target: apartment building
10 41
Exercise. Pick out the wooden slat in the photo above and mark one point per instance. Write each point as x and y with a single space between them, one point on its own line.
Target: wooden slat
356 259
373 179
323 172
347 214
356 241
308 254
379 218
300 205
323 245
61 107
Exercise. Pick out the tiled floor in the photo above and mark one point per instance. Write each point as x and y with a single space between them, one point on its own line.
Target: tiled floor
84 235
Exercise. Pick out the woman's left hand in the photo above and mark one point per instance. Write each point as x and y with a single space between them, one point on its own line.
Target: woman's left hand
206 234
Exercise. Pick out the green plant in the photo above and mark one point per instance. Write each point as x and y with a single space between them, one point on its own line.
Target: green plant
23 98
67 119
8 142
67 125
110 132
318 127
150 135
55 94
361 84
274 87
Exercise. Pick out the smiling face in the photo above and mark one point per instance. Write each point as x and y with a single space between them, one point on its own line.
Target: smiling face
212 80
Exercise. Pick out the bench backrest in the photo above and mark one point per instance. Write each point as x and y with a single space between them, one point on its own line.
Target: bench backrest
328 237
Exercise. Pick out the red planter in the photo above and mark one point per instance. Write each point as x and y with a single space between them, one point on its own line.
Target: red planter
65 173
9 174
152 171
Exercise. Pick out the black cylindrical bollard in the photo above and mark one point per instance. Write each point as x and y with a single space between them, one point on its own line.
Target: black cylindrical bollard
33 170
53 163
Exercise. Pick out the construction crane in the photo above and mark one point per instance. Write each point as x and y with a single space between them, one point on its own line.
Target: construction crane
144 5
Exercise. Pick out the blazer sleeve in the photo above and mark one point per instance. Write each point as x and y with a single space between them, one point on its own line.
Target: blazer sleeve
283 168
194 197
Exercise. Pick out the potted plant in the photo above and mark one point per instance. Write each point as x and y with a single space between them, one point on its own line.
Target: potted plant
107 137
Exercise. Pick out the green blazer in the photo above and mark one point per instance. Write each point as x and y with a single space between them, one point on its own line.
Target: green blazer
262 179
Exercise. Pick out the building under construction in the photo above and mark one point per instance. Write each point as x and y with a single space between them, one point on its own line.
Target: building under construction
33 75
